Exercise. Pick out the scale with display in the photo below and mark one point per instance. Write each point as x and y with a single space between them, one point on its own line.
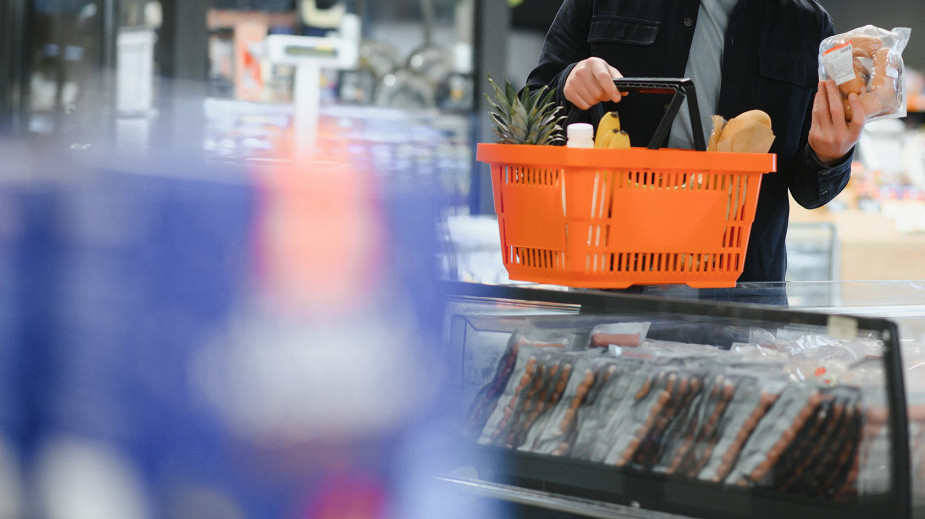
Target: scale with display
310 55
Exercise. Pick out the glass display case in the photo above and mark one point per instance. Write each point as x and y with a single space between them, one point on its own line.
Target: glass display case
695 403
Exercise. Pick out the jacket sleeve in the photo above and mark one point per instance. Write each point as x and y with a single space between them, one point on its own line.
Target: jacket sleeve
813 184
566 44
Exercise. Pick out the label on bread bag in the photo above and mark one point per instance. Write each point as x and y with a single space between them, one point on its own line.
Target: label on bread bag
838 64
892 72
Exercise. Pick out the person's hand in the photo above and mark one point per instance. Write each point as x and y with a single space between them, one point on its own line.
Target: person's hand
591 82
830 135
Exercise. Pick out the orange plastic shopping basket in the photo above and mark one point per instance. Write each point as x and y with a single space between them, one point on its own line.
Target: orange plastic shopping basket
601 218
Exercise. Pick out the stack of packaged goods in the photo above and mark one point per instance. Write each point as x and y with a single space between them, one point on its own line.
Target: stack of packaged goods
793 412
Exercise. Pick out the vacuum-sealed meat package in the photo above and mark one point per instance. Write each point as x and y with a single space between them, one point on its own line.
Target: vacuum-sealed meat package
486 399
554 436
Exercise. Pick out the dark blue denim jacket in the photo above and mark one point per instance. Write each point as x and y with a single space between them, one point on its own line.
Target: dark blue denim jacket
769 63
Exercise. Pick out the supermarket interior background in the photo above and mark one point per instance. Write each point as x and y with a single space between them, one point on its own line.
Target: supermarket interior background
201 315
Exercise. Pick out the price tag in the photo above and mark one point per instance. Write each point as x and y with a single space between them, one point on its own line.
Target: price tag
838 63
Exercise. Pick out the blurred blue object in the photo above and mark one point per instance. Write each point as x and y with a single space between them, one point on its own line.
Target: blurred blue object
145 374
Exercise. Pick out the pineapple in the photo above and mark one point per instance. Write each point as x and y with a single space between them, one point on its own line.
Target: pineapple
525 118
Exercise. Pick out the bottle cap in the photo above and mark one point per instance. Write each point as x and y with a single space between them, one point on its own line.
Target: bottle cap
580 131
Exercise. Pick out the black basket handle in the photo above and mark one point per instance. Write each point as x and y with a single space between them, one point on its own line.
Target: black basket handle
681 88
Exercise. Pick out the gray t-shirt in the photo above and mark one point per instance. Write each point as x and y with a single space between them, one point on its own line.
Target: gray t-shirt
704 67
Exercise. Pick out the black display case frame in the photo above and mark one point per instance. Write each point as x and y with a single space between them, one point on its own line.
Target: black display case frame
586 480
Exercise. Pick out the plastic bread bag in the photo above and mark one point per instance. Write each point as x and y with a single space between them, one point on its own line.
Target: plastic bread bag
748 132
867 61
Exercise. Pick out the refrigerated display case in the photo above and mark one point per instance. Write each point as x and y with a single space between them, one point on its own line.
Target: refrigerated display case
766 400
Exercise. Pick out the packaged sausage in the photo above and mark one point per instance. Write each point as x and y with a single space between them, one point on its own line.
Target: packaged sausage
492 413
641 412
752 400
867 61
485 401
555 371
618 334
556 433
607 405
532 371
698 420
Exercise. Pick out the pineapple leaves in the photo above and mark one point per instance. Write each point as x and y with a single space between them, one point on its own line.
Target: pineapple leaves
524 117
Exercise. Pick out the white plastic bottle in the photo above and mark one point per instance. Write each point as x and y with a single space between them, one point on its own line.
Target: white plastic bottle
579 135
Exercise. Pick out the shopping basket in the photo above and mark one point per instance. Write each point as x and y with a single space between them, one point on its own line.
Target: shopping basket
602 218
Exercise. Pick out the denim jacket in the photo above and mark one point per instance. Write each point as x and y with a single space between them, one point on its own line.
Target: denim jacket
770 62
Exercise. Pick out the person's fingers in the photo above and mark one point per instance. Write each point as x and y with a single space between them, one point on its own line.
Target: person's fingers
603 76
591 82
594 87
588 90
822 119
581 97
616 74
573 88
835 105
858 116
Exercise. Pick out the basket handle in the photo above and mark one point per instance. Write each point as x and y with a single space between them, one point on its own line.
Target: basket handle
681 88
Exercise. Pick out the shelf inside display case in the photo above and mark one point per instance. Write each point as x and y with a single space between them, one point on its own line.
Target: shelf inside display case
697 408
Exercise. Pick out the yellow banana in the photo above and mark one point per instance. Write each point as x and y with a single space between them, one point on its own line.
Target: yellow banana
605 128
620 140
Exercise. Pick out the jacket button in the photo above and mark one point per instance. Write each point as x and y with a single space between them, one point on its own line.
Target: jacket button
687 21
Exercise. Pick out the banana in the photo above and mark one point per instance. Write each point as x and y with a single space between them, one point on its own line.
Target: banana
605 128
620 140
602 140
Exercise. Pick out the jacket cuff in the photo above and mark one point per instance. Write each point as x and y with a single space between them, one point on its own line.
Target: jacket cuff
832 177
566 105
846 159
